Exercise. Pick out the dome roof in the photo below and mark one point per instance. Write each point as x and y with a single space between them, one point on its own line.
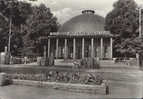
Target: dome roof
85 22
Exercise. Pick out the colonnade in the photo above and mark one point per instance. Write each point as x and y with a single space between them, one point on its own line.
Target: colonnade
83 47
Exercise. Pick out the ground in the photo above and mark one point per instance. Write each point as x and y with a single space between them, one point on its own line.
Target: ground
23 92
123 83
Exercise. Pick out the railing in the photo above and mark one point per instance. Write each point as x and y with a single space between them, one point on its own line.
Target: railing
18 60
130 61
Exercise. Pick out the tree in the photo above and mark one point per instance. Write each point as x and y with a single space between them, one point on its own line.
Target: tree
3 33
17 12
40 24
122 22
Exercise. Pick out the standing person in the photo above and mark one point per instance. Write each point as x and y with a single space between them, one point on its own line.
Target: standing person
141 60
25 60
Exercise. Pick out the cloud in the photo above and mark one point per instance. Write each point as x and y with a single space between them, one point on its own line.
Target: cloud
64 14
139 2
65 9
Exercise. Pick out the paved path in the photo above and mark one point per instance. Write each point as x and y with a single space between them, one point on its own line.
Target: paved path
24 92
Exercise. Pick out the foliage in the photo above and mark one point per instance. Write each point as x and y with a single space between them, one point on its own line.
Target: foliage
133 45
3 33
122 22
89 63
40 24
15 10
45 61
18 12
29 23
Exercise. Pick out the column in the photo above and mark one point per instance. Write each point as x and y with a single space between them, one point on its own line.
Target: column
57 47
92 47
65 56
74 48
111 49
48 47
44 54
82 47
101 44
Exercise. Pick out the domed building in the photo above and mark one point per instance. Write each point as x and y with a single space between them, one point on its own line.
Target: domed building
82 36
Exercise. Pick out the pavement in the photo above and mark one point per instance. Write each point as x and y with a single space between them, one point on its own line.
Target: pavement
117 90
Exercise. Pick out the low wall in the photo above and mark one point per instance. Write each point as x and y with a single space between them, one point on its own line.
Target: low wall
82 88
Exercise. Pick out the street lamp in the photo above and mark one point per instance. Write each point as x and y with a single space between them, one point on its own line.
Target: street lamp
9 39
140 8
10 32
140 20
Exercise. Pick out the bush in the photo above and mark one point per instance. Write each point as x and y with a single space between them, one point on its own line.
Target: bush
39 60
45 61
89 63
5 79
16 60
7 58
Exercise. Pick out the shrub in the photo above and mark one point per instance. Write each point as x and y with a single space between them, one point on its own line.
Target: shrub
45 61
39 60
7 58
16 60
89 63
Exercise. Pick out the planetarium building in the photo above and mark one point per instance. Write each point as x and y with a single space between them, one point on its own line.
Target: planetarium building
82 36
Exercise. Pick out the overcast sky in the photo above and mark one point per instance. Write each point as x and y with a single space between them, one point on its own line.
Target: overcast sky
65 9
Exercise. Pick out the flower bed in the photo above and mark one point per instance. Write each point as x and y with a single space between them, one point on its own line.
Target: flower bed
59 78
63 77
54 75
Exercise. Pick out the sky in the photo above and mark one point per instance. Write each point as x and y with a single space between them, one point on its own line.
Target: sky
66 9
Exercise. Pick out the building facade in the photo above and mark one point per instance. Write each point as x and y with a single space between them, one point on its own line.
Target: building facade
80 37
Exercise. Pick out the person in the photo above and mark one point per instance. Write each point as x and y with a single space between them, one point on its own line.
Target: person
137 58
76 64
141 60
25 60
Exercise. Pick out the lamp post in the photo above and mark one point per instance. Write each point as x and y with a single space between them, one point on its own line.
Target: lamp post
9 40
140 21
10 32
9 35
140 8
